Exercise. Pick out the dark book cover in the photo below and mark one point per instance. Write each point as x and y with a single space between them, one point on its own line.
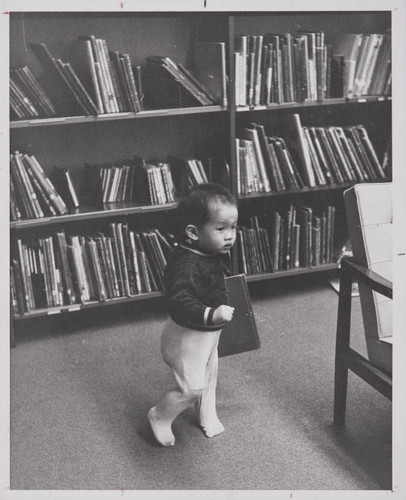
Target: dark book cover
55 82
68 183
210 69
61 244
240 334
165 86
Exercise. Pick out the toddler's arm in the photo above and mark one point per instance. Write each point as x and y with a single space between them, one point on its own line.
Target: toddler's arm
183 284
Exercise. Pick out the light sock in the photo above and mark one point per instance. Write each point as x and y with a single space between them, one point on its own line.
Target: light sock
209 422
212 427
162 429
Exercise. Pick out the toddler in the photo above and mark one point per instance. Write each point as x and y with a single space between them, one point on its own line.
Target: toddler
195 288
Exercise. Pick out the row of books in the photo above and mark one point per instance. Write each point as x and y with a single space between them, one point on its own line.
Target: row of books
63 269
301 67
304 157
100 81
117 182
27 98
365 62
136 180
277 68
32 194
66 269
299 237
109 75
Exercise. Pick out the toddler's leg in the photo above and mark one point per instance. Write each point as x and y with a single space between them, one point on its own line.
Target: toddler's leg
164 413
187 352
206 406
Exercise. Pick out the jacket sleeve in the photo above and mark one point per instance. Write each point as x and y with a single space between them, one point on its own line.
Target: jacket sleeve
184 306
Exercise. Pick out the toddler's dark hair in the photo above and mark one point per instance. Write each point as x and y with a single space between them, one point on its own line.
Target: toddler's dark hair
194 207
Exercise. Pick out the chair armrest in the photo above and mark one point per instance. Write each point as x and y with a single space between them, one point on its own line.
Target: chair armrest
369 277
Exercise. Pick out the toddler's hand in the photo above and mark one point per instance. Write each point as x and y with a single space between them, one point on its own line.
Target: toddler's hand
223 314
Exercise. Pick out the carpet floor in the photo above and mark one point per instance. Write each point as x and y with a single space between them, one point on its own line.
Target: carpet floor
81 385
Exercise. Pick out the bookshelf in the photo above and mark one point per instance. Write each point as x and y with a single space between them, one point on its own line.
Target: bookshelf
185 130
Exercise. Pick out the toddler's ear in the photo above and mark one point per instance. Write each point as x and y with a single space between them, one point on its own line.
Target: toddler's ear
191 232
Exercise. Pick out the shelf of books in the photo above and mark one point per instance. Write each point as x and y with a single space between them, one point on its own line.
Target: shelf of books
286 109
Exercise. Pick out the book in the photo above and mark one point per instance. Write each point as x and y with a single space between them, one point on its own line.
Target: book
269 158
32 89
68 184
28 195
84 62
240 334
241 70
347 46
297 143
166 85
210 69
68 93
251 133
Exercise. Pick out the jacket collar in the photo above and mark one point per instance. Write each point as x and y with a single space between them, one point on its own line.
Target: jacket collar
194 250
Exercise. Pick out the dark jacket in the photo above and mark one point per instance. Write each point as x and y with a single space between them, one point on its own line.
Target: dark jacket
195 287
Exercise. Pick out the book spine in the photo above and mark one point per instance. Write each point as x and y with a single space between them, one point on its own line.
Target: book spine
82 92
93 75
47 185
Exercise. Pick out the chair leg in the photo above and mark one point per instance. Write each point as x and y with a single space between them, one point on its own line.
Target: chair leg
340 392
342 346
12 334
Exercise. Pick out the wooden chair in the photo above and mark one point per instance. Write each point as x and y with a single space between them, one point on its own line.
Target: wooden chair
369 217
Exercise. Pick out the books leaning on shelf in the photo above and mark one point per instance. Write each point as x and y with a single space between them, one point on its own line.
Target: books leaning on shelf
170 85
304 157
364 60
187 173
27 98
264 163
63 84
109 75
299 237
65 269
32 194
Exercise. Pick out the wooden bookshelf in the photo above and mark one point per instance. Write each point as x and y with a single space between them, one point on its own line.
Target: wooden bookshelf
72 120
88 213
190 131
52 311
291 272
339 101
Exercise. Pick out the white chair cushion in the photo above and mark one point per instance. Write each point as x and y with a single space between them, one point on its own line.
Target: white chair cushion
369 217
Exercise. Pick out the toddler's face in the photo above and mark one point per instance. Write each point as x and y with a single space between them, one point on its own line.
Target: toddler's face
218 235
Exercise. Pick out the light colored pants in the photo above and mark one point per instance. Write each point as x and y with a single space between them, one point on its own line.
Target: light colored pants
193 358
